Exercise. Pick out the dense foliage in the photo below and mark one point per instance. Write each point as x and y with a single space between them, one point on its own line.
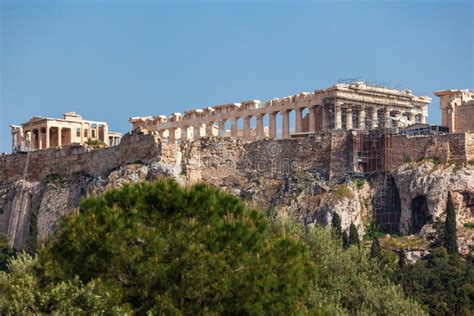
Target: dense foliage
161 249
442 282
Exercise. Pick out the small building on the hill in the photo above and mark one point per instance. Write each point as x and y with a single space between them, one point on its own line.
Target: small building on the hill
43 132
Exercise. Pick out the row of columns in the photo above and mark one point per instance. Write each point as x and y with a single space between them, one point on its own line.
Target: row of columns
34 137
337 117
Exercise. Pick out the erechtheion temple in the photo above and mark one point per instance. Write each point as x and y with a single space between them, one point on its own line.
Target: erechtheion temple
41 132
457 107
342 106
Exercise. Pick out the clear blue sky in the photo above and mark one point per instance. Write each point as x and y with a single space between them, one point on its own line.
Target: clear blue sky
109 60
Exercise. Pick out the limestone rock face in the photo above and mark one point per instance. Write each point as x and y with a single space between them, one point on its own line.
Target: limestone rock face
431 182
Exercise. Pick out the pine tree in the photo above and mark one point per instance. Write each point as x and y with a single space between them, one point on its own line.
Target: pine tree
375 250
345 240
402 258
450 234
336 224
353 235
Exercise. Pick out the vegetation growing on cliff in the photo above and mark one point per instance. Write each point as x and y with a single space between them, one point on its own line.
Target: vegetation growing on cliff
162 249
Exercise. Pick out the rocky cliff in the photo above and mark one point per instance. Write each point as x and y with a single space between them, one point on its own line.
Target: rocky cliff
288 178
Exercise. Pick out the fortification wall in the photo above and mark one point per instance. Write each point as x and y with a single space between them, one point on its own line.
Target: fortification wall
330 154
277 159
463 118
76 158
450 147
470 146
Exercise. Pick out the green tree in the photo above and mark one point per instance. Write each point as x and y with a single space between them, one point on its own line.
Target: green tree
348 282
442 282
375 250
165 249
22 294
402 260
345 240
450 233
6 252
336 224
353 235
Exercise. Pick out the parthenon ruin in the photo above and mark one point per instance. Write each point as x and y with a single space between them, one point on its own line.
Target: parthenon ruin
41 132
342 106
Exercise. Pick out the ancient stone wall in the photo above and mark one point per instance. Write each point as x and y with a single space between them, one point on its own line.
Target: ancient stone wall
277 159
470 147
464 118
450 147
68 160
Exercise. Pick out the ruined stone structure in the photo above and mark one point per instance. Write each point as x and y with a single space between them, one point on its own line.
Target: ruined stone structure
342 106
41 133
457 107
340 133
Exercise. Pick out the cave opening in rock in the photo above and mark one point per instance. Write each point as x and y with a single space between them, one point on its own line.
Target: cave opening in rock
420 213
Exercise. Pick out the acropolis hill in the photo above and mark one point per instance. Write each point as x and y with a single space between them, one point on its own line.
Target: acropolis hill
362 151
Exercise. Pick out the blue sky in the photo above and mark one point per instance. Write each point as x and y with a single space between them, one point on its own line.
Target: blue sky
109 60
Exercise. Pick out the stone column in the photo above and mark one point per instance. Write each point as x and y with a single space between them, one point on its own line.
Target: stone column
386 118
422 119
82 133
298 120
312 119
349 118
444 117
285 126
324 118
184 133
197 131
172 135
222 128
60 135
337 116
362 116
209 129
451 122
260 126
247 127
272 125
375 118
40 140
47 143
234 128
